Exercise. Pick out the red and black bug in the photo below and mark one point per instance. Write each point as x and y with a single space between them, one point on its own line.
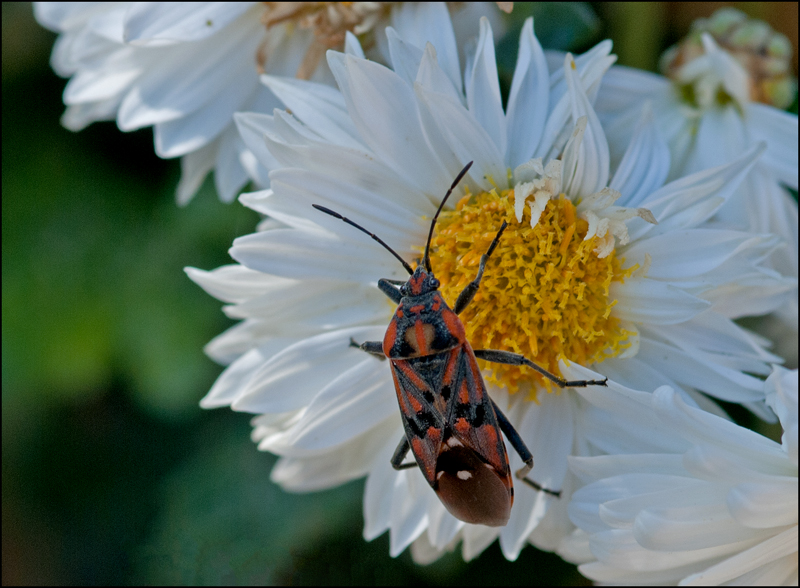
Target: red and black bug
451 425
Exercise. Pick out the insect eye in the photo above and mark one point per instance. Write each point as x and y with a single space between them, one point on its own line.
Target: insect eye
403 290
434 283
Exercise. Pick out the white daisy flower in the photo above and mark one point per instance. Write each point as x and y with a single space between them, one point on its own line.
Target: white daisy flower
185 68
725 89
687 497
580 273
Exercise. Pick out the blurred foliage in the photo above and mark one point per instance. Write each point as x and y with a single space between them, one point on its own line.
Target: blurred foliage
111 474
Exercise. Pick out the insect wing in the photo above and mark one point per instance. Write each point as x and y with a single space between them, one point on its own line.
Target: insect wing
473 476
422 420
470 414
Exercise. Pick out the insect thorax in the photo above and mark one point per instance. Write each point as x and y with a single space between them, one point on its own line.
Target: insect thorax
422 325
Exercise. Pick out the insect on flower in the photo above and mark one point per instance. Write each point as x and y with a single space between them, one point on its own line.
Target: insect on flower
451 425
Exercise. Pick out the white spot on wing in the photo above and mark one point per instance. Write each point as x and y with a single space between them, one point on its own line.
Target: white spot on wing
464 475
453 442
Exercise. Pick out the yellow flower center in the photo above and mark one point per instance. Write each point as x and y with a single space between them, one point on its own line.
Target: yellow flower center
544 294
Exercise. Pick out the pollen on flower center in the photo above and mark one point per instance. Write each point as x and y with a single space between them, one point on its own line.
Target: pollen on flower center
544 294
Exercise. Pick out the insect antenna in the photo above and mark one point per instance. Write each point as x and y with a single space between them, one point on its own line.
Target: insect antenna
461 174
373 235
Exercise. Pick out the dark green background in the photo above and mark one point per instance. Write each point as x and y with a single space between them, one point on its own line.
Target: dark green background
111 472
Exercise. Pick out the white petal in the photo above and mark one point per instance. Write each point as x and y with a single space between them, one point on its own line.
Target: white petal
235 283
169 22
430 22
619 102
476 539
645 165
619 548
547 429
591 469
431 76
575 549
442 530
779 130
409 509
715 333
318 106
59 16
302 254
352 46
723 467
353 167
78 116
699 427
591 174
178 137
764 505
593 64
690 527
380 485
385 113
287 216
194 169
355 401
405 57
741 563
483 90
590 67
314 306
781 391
642 300
106 83
622 497
675 254
638 431
687 202
634 373
431 79
347 462
528 99
169 91
295 190
612 574
229 175
465 137
233 381
238 339
700 371
286 382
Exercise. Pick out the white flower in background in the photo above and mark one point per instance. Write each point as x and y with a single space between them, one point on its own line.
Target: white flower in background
725 87
686 496
580 273
185 68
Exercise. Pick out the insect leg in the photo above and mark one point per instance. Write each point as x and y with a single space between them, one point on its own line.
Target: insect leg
400 454
468 293
373 347
387 288
497 356
522 450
